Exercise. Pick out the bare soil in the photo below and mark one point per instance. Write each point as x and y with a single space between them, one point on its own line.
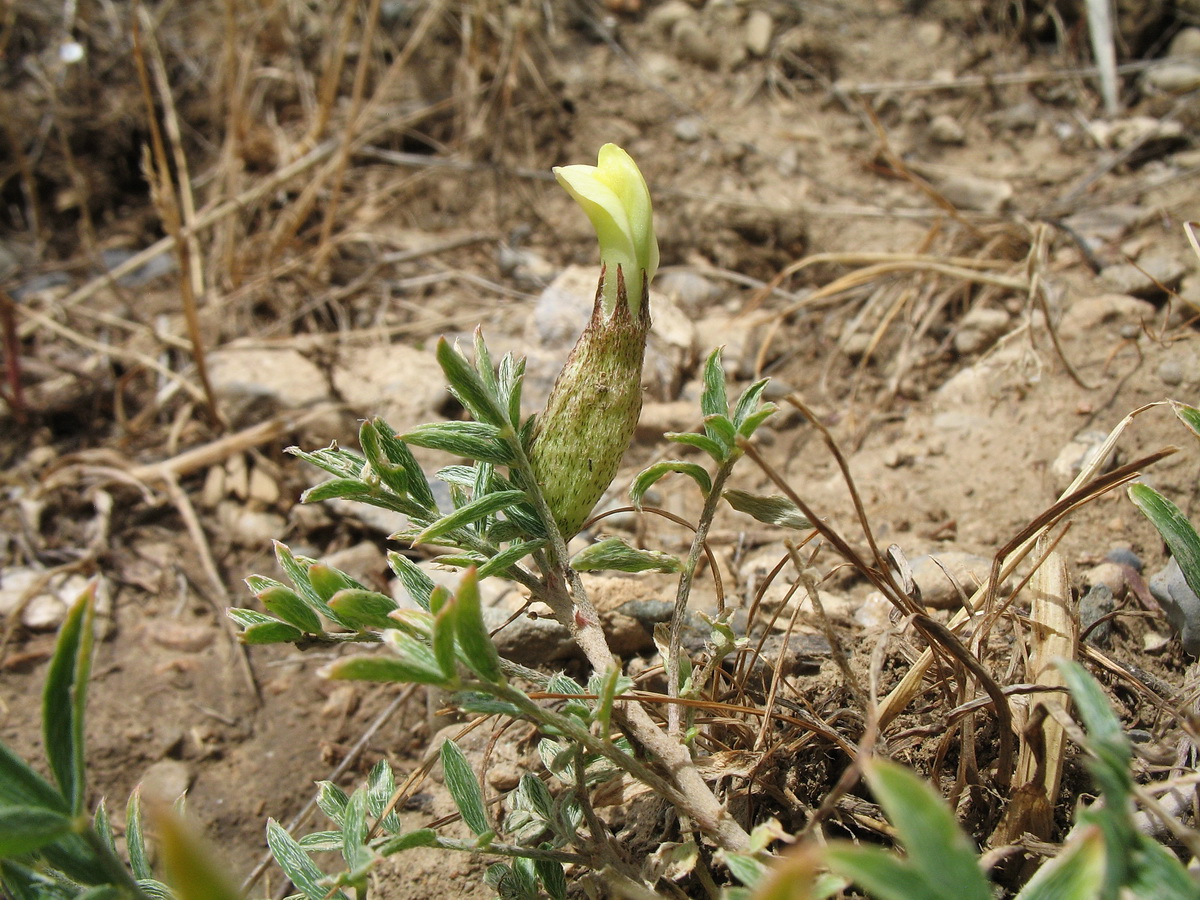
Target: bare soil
854 135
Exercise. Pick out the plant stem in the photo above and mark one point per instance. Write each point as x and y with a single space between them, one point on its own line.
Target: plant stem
674 711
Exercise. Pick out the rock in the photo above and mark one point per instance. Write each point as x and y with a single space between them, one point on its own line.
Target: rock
165 781
364 562
562 309
1123 556
253 383
1085 314
693 292
1153 274
1105 224
933 574
261 487
1170 372
1185 43
945 129
664 18
759 29
1079 452
739 335
611 594
1172 78
1021 117
1097 603
979 329
1109 574
531 641
693 44
967 190
46 610
1141 131
689 129
250 528
182 637
1181 605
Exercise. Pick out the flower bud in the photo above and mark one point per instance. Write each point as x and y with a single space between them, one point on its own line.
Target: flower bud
593 408
614 195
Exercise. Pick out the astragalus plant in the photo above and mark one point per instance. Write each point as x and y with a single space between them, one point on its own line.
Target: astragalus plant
529 488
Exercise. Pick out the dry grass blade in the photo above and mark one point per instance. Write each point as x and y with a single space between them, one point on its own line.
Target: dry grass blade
1053 635
1005 563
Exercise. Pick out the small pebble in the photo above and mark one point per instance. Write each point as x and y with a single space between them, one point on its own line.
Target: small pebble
689 129
1097 603
165 781
1170 372
945 129
183 637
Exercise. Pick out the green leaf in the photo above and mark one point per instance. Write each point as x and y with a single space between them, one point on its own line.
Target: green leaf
1108 745
1188 415
332 801
191 869
1158 873
338 489
745 868
103 826
363 609
773 510
64 700
332 459
532 794
478 650
296 569
259 628
651 475
553 878
381 787
750 425
613 554
422 837
1077 873
464 788
321 842
354 832
22 786
469 383
702 441
1176 530
395 476
748 402
721 429
398 454
296 864
286 604
135 841
714 400
24 829
327 581
481 508
417 584
936 846
883 875
402 670
512 380
474 440
443 634
509 556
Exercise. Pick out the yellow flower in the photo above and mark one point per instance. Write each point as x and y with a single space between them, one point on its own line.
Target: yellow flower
614 195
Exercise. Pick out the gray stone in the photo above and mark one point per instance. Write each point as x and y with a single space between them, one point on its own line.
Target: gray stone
1170 372
1088 313
933 574
250 528
979 329
1181 605
1185 43
759 29
530 641
1105 224
945 129
1148 279
1173 78
1079 452
694 44
1097 603
689 129
165 781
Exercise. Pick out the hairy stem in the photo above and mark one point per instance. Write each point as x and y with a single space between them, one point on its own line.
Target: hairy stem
674 711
